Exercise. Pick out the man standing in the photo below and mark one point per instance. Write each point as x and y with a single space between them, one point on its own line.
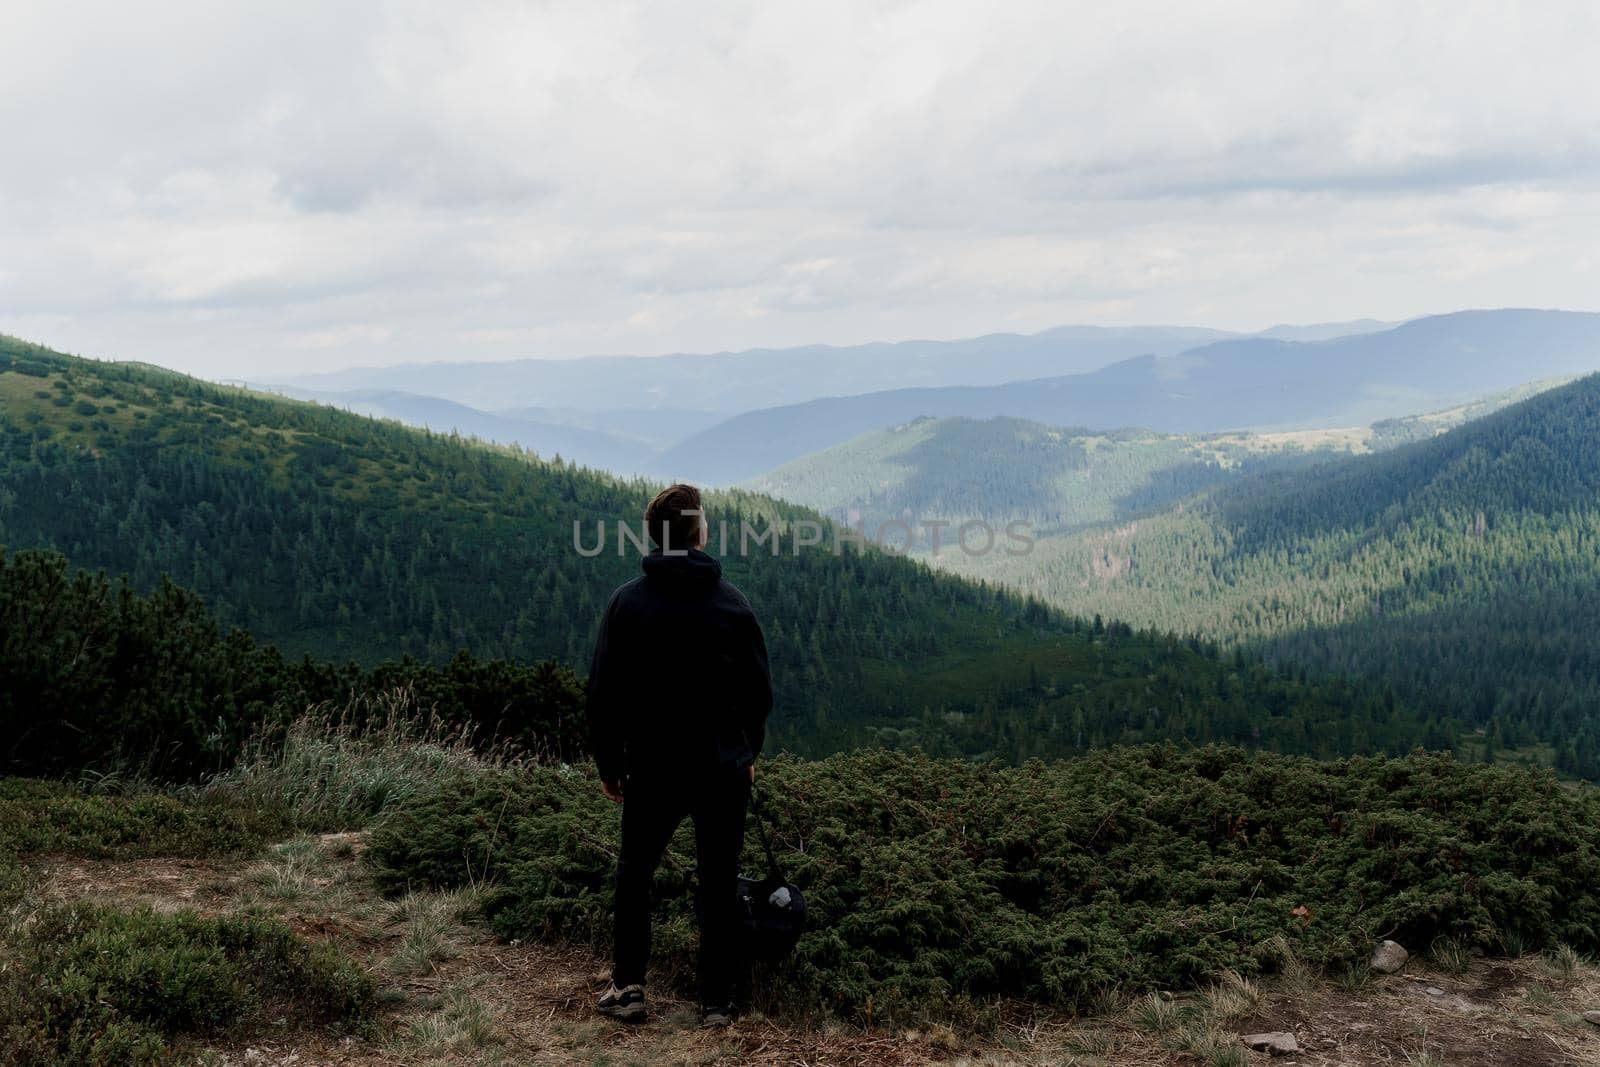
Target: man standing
679 692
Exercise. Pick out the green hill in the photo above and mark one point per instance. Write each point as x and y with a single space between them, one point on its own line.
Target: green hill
1000 469
339 536
1061 479
1463 570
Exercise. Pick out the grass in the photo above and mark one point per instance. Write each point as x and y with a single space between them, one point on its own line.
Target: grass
441 1001
463 1023
89 983
1562 963
1294 973
97 984
1451 955
1232 996
290 871
432 929
1217 1048
1540 999
340 768
1156 1013
1355 978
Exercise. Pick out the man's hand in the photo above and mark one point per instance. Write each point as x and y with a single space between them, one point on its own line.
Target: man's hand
612 790
752 774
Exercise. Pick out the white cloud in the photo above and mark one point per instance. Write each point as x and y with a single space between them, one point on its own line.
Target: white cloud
248 193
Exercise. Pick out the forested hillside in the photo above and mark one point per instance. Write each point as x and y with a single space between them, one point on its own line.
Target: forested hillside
1061 479
1463 570
327 533
1002 469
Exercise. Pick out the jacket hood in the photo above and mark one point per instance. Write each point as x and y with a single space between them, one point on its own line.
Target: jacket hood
693 568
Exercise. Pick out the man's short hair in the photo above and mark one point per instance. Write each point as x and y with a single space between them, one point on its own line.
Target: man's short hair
669 526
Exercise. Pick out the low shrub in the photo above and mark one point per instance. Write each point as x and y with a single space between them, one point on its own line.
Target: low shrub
40 816
88 984
934 885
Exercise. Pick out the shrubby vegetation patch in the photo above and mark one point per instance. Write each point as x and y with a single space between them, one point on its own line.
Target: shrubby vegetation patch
936 885
88 984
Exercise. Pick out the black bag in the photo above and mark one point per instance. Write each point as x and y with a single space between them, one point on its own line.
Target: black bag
771 910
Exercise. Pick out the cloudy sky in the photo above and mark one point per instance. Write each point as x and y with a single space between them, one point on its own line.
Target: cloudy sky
304 186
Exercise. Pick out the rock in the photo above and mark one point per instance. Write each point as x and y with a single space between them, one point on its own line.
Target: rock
1592 1017
1277 1042
1434 991
1389 957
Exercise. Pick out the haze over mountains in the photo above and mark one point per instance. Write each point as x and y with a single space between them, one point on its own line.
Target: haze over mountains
723 419
1252 383
732 382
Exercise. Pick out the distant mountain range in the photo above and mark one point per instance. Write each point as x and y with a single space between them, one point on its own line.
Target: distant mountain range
733 382
711 418
549 433
1252 383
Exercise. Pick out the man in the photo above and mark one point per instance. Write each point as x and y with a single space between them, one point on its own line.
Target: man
679 692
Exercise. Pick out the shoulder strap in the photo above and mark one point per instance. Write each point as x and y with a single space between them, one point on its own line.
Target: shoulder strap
774 870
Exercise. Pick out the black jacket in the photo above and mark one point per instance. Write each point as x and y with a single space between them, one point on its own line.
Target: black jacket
679 682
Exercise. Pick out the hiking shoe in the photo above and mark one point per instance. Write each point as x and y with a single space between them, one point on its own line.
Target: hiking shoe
716 1018
625 1004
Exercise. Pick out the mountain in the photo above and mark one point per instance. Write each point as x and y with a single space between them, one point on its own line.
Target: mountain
548 437
647 426
1324 331
331 534
1251 383
1062 479
732 382
1461 570
1002 469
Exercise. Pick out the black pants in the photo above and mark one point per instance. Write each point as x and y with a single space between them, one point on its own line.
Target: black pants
651 812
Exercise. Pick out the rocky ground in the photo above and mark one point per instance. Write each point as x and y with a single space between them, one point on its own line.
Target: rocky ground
454 996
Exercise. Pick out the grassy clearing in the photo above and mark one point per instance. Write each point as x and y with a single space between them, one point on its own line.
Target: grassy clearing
95 983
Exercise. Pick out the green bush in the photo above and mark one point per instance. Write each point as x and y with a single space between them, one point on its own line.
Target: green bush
939 883
43 816
88 984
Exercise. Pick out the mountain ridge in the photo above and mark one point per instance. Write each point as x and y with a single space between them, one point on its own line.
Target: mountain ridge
1236 384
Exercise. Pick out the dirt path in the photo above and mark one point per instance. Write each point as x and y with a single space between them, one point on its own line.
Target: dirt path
454 996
